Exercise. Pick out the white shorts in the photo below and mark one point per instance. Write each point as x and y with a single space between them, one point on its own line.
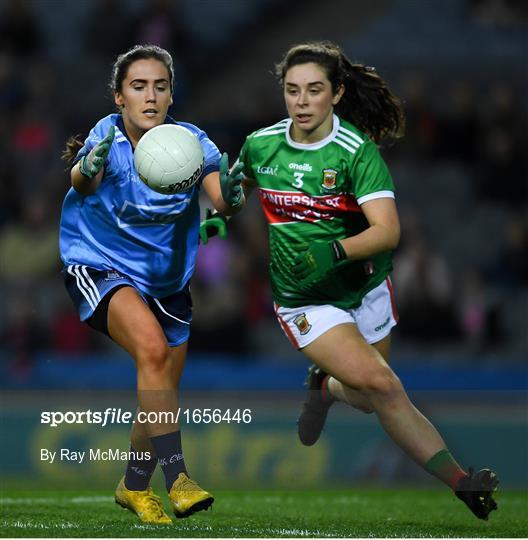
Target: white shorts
374 317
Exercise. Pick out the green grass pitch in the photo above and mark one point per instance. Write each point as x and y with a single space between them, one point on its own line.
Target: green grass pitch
351 513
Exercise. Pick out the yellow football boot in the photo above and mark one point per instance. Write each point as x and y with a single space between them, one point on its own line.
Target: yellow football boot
187 497
145 504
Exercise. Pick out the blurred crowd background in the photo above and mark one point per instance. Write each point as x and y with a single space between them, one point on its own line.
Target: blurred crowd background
461 271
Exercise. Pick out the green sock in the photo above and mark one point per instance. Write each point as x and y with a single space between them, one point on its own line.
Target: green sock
443 466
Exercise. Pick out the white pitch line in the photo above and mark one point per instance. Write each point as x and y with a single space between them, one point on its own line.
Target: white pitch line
48 500
270 533
93 498
34 525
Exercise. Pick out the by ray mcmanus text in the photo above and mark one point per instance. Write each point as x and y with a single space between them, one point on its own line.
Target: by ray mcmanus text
94 454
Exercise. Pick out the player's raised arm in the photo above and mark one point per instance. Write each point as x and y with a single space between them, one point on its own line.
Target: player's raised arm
224 188
86 175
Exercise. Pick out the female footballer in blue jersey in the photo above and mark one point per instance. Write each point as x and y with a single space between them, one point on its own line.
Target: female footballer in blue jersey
333 223
128 255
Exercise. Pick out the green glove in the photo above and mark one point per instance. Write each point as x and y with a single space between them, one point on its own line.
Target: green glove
93 162
212 225
232 191
315 262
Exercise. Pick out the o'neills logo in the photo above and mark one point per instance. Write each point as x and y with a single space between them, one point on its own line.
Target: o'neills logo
186 184
302 324
329 179
306 167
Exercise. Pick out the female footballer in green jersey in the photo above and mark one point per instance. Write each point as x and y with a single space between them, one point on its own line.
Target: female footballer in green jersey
329 200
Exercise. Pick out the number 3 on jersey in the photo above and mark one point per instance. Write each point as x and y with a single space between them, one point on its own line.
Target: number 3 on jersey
298 182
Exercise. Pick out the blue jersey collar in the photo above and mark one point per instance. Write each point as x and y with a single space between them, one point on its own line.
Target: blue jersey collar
123 136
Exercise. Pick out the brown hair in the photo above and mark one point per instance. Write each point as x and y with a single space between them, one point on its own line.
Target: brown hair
73 145
139 52
119 73
367 102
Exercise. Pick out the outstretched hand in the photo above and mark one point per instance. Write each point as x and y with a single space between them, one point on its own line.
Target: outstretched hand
93 162
230 181
212 225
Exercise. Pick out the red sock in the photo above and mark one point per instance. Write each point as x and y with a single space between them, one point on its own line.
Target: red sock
325 392
443 466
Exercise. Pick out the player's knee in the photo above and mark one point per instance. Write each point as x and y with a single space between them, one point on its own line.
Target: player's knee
364 408
153 357
383 384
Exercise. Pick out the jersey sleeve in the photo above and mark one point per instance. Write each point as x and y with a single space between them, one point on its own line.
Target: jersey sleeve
210 150
371 178
211 154
245 157
89 143
97 134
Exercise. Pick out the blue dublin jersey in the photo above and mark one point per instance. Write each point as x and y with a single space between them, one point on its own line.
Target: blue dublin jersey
128 227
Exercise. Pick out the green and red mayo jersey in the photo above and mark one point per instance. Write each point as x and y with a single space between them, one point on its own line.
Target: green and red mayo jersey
314 192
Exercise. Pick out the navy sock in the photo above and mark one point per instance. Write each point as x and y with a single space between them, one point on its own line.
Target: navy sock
139 470
170 456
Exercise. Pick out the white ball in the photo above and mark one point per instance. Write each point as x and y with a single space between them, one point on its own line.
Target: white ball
169 158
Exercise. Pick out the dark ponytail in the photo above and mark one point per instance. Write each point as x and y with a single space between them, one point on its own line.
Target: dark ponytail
367 102
73 145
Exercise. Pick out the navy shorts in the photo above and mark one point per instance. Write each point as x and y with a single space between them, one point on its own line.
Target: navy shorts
91 289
